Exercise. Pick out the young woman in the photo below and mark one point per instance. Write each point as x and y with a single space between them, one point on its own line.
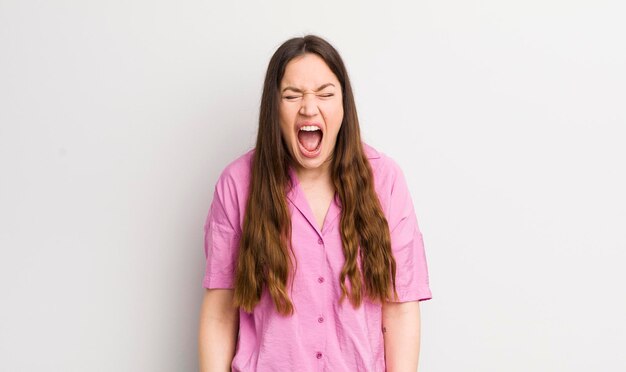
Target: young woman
315 261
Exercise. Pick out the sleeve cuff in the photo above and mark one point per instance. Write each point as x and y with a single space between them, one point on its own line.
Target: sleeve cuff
413 294
215 281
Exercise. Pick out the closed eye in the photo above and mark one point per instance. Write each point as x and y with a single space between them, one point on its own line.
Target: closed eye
292 98
296 97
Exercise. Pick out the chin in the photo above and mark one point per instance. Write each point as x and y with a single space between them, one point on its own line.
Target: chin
312 163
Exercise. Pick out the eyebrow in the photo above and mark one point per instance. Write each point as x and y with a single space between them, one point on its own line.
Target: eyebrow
317 90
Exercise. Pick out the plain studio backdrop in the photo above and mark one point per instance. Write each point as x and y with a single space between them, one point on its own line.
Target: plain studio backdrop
507 117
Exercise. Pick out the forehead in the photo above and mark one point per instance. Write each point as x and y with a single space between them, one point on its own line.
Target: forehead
308 71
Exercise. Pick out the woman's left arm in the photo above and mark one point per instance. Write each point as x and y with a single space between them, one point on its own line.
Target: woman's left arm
401 332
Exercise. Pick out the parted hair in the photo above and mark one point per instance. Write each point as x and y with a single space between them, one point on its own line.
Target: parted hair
265 258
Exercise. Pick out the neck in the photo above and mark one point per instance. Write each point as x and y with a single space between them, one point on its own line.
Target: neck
317 175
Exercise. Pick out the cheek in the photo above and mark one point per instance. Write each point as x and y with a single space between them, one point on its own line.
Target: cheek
285 121
335 116
282 113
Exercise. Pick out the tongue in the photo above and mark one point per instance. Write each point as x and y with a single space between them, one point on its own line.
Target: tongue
310 140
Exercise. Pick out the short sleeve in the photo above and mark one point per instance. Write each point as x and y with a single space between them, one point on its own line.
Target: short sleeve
407 243
221 237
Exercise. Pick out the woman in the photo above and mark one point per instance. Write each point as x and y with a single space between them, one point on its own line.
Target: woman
310 218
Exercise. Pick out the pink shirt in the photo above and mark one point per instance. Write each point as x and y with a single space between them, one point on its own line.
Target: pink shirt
322 335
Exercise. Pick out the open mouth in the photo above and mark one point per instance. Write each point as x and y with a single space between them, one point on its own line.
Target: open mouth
310 139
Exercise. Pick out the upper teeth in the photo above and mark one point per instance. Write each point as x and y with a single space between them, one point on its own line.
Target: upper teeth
310 128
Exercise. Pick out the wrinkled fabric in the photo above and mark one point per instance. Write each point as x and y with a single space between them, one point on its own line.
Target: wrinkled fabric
322 335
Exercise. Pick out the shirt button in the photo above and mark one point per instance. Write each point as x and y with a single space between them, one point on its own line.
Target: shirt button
320 279
320 319
319 241
318 355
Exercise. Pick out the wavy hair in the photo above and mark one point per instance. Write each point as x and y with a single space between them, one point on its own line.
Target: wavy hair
265 259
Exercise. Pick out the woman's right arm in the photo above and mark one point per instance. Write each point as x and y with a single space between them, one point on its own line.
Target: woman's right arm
219 326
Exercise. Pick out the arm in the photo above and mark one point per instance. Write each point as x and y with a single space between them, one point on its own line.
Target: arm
401 332
217 336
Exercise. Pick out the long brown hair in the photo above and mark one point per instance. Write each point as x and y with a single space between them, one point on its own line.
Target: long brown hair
264 257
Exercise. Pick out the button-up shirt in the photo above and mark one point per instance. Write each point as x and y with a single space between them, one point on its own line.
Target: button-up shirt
322 334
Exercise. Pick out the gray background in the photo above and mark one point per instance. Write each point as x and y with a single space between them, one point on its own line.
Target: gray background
508 119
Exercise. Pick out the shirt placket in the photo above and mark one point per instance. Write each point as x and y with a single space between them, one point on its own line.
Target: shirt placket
325 277
322 276
320 355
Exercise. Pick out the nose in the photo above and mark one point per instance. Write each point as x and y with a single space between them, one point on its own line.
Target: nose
309 105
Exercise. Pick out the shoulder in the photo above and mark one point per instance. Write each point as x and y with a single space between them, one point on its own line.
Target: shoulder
238 168
390 185
235 176
232 188
384 168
